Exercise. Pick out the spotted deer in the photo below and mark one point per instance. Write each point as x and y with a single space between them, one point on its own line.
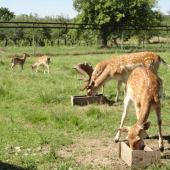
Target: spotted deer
19 61
119 68
145 89
43 60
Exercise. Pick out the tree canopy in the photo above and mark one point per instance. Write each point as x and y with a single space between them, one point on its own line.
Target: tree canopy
5 14
112 14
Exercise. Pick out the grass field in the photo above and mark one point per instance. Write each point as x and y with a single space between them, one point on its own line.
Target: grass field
37 120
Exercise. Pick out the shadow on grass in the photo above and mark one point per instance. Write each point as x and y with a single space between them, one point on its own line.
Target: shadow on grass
5 166
164 138
113 103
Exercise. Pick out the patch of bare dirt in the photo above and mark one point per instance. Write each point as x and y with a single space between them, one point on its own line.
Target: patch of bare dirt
103 152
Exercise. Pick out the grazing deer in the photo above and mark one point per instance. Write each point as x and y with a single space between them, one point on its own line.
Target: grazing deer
119 68
143 88
44 60
19 61
82 69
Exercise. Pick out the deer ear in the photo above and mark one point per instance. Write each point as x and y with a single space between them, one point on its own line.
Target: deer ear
124 129
145 126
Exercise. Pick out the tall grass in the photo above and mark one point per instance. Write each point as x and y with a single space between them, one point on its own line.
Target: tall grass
36 113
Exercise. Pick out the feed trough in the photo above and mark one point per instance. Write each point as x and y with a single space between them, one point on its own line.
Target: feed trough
138 158
85 100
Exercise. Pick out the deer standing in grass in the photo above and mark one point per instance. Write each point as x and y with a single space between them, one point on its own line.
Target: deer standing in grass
19 61
44 60
119 68
143 88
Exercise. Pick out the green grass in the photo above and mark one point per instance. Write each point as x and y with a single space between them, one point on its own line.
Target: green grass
36 111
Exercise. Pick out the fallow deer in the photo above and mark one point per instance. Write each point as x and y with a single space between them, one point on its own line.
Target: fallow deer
44 60
143 88
83 68
19 61
120 67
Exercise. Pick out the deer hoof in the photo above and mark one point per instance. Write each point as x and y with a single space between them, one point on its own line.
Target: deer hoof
161 149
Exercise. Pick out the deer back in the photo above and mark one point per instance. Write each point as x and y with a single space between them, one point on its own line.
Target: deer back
144 85
121 66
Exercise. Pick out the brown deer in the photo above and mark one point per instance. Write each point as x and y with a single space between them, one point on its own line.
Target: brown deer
143 88
19 61
84 68
44 60
119 68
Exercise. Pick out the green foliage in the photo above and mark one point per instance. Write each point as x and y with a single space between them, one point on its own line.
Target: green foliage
112 14
5 14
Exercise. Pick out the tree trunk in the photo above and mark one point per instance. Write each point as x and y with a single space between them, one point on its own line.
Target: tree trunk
115 41
58 42
143 42
30 41
51 43
104 40
6 42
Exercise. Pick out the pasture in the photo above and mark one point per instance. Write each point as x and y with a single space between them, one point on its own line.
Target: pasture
39 129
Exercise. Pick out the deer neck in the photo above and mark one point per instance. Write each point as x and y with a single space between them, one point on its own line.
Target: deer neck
144 113
24 58
34 65
102 79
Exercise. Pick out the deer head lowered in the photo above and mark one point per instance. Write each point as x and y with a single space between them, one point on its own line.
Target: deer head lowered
83 68
143 88
119 68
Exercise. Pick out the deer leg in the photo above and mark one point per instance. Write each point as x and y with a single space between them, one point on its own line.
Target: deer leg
159 122
127 103
12 67
124 87
103 89
47 67
43 68
37 69
118 90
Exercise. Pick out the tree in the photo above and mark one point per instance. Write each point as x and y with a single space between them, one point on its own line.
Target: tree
5 14
112 14
57 34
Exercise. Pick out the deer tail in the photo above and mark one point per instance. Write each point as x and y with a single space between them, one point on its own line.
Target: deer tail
164 62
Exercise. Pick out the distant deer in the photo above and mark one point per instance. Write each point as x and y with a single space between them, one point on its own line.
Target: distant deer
119 68
44 60
143 88
19 61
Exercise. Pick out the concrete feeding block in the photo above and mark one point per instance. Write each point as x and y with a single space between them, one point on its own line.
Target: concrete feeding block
138 158
85 100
